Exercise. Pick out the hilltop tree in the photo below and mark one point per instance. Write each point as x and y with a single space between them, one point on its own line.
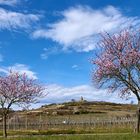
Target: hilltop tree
117 64
16 88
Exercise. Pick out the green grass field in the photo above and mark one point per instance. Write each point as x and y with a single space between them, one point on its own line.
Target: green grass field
80 137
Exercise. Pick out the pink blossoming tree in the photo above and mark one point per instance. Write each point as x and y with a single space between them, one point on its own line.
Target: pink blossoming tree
117 65
18 89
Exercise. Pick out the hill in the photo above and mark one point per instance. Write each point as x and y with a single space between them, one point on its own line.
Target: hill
73 115
85 107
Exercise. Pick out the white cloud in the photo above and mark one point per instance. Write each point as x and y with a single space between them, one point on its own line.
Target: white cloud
59 94
44 55
49 51
75 67
21 68
9 2
79 26
15 20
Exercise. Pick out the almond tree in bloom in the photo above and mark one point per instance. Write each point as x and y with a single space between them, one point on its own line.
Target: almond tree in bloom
16 88
117 65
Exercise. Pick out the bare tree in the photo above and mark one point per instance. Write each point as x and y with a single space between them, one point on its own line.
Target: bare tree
117 64
16 88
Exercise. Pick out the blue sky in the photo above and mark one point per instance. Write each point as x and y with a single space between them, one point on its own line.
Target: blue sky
53 40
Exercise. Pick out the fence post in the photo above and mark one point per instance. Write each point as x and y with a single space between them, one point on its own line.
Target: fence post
40 122
26 122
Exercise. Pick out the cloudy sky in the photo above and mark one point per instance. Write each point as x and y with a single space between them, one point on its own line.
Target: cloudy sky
53 41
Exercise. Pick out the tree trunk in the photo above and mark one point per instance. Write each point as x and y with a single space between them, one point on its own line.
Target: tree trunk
138 118
4 126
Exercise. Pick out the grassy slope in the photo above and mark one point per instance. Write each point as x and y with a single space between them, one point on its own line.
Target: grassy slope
81 137
97 109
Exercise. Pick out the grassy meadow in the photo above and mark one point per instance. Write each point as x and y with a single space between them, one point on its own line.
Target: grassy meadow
80 137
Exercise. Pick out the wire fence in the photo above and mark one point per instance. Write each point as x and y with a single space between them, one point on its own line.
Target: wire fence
67 122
